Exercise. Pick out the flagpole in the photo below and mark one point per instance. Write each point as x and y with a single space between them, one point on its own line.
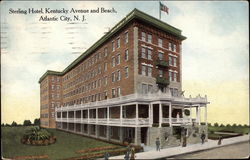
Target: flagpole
160 10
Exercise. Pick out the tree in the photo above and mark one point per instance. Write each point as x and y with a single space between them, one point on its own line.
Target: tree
222 125
13 123
216 125
37 122
27 123
2 124
239 125
228 125
234 125
209 124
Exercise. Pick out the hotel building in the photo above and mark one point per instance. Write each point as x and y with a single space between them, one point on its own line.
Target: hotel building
126 87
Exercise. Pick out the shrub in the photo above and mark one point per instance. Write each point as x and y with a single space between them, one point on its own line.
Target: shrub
37 122
187 112
37 136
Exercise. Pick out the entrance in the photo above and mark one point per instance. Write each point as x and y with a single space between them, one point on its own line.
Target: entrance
144 135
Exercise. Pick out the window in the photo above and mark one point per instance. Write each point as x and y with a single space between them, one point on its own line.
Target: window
118 58
149 54
113 61
126 72
126 55
105 95
143 70
150 88
105 52
150 71
159 42
170 75
99 69
169 46
118 90
144 89
160 73
113 93
113 77
52 87
175 64
113 46
160 56
174 49
174 92
170 60
118 43
126 37
175 77
149 38
118 75
143 36
106 80
105 66
143 52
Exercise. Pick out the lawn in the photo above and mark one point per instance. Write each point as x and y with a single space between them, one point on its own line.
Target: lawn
66 146
212 129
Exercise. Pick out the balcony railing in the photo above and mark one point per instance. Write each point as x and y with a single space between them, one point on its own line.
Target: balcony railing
162 81
179 120
110 121
161 63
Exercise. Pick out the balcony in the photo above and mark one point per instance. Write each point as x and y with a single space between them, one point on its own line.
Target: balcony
161 63
162 81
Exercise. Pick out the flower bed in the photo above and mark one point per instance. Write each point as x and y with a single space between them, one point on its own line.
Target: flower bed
37 137
96 149
32 157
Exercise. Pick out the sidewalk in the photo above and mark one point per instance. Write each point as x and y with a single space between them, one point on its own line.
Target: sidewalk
169 152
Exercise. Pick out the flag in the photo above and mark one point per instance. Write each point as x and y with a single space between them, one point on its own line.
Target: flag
163 8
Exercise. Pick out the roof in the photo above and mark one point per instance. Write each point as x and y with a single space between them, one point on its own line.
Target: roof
134 14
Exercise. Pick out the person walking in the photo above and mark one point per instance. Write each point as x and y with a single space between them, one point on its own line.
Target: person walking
132 157
126 157
158 144
219 141
203 136
106 156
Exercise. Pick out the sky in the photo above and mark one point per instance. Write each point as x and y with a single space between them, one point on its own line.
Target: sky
215 55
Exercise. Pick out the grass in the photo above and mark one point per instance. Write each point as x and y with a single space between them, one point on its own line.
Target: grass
237 129
241 130
66 146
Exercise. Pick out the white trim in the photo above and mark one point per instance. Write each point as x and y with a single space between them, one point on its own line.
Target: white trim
160 51
173 71
172 55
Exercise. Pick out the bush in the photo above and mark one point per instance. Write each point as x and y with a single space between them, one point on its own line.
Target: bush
187 112
37 136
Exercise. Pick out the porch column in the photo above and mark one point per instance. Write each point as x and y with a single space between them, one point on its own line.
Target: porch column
190 116
108 132
81 117
88 115
74 120
121 115
67 120
107 115
137 135
136 114
121 134
97 131
96 115
199 114
61 116
170 115
160 114
149 114
206 114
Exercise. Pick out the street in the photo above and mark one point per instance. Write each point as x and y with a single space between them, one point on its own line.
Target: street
235 151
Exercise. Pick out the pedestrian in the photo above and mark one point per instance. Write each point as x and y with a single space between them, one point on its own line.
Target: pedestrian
219 141
126 157
158 144
203 136
106 156
132 157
